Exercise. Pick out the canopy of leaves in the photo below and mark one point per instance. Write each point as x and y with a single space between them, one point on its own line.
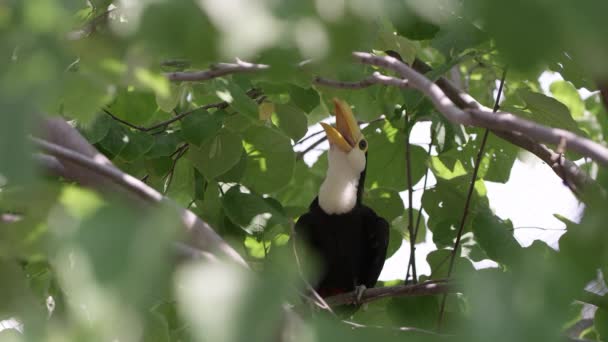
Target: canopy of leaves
230 148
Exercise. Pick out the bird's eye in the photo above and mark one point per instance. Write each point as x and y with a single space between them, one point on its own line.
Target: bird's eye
362 145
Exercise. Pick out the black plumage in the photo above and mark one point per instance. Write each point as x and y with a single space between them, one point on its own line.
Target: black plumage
351 246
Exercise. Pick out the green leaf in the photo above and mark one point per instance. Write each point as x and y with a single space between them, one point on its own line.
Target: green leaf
547 111
137 144
116 139
238 122
290 120
496 238
302 189
600 321
181 187
217 155
385 202
304 99
201 126
134 106
457 36
95 130
386 159
567 94
444 204
248 211
168 102
237 98
439 260
235 174
400 224
415 27
270 161
415 311
164 145
83 96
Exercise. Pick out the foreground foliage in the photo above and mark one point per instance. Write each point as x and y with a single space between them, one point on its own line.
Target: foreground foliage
78 264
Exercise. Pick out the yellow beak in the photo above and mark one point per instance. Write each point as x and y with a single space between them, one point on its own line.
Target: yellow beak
346 134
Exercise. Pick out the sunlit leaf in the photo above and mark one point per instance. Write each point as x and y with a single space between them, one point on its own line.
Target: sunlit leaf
270 159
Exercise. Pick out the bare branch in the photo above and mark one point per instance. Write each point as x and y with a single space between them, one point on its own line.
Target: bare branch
482 117
216 70
428 288
375 78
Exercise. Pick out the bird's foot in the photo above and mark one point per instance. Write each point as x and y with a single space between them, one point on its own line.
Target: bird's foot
359 291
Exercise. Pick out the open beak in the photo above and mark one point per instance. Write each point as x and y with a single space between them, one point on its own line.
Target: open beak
346 133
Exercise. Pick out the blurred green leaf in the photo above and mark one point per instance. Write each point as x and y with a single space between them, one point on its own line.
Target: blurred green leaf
305 99
600 322
134 106
291 120
416 28
136 144
96 129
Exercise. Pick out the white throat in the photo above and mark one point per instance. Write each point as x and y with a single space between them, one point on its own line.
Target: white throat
338 193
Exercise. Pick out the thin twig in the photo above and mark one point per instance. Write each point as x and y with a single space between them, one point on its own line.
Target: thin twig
419 217
180 152
465 212
306 138
216 70
301 154
399 329
410 212
253 93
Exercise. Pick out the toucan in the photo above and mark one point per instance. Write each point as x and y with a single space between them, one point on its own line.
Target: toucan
349 238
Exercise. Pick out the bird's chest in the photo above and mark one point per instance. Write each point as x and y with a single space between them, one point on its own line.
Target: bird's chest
343 238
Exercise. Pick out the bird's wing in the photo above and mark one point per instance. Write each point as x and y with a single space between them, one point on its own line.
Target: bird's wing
377 234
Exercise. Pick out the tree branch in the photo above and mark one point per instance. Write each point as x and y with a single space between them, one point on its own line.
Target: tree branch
484 118
463 100
216 70
428 288
101 173
374 78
